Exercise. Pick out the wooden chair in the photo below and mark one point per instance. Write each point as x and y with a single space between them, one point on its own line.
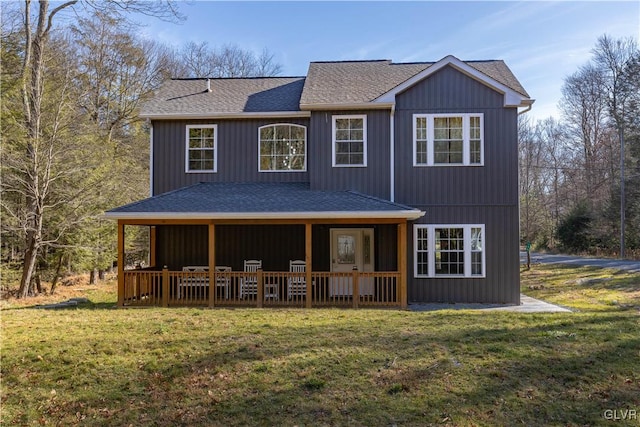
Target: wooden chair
249 282
223 280
297 283
194 285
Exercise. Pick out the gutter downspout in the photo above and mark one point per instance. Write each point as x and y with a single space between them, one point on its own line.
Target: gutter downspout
392 150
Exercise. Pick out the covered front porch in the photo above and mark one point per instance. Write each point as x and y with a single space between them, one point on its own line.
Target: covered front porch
202 263
266 245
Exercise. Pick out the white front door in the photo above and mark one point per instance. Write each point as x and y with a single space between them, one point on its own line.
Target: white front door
351 249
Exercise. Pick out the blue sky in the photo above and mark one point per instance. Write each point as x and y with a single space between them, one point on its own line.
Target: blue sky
542 42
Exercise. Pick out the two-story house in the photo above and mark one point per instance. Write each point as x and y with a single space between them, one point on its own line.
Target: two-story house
363 183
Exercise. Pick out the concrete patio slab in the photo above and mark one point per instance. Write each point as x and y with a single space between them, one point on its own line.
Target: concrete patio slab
527 305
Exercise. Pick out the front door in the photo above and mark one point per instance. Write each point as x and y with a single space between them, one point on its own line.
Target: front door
351 249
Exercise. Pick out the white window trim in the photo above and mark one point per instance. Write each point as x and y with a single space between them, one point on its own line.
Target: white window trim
364 140
431 240
466 142
304 169
215 148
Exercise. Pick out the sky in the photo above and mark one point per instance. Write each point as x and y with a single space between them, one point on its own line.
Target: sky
542 42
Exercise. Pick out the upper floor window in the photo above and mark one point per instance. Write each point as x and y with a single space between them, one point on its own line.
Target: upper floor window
349 140
449 251
448 139
282 148
201 148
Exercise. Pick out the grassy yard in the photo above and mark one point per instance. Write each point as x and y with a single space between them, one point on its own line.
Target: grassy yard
96 365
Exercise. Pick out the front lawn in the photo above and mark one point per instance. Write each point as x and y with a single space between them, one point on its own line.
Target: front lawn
96 365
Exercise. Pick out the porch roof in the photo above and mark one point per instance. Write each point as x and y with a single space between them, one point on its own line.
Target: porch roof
212 200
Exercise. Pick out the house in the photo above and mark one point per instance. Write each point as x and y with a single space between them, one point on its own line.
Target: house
386 183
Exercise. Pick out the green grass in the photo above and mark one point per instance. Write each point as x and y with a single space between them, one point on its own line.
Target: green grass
96 365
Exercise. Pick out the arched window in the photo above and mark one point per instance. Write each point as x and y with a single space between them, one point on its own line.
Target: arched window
282 148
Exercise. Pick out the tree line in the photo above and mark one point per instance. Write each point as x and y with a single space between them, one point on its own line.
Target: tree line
74 75
580 174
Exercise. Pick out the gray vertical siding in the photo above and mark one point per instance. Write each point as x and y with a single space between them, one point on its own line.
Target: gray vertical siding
495 183
373 179
181 245
463 194
502 281
449 195
237 154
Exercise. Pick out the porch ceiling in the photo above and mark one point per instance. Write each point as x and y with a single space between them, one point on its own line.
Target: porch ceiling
235 201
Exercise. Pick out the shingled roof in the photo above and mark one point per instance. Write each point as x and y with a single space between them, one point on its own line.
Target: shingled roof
348 82
261 200
190 97
327 83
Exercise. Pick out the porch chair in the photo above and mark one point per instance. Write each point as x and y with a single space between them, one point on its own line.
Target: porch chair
297 283
223 280
249 282
197 284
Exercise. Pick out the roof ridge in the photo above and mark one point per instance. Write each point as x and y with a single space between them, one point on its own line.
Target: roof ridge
351 60
235 78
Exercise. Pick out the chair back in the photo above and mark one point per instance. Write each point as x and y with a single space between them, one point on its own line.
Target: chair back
252 265
297 266
222 269
195 268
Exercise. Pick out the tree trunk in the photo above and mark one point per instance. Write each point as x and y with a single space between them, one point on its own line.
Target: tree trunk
101 274
56 276
38 284
29 266
92 276
32 99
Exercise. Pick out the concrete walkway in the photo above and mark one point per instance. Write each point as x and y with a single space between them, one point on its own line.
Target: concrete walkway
527 305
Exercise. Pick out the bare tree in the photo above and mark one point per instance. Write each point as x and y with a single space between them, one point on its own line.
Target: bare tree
529 151
555 162
266 65
618 61
583 106
196 60
40 152
116 70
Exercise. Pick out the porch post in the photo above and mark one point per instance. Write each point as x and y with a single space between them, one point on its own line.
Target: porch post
355 287
165 286
212 263
120 263
152 246
402 263
307 260
260 295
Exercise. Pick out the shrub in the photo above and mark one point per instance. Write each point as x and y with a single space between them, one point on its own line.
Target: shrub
574 229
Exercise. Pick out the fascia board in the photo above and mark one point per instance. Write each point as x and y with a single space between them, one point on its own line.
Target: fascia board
349 106
404 214
511 97
213 115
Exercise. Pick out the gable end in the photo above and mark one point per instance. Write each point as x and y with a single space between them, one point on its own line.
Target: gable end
512 98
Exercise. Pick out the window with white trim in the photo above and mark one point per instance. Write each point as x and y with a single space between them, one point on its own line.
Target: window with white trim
449 250
448 139
349 140
201 148
282 148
